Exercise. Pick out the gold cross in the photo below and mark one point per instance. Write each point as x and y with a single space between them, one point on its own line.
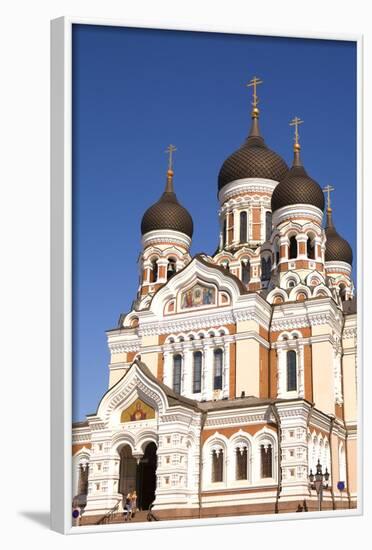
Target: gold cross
328 190
296 122
170 150
254 82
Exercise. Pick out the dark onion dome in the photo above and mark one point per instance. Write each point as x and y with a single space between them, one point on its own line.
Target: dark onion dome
297 187
337 248
253 160
167 213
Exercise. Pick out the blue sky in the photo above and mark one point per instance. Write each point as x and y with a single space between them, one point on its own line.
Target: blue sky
137 90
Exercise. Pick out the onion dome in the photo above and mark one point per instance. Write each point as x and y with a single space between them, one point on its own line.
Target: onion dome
337 248
297 187
253 160
167 213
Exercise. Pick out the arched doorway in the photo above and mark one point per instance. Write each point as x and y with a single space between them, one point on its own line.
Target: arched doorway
128 471
146 479
139 475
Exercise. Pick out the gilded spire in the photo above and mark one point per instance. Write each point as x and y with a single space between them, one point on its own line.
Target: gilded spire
296 121
327 189
169 186
253 83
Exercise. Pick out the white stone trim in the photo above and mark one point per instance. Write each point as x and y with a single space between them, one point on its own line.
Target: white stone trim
165 236
246 185
338 267
295 211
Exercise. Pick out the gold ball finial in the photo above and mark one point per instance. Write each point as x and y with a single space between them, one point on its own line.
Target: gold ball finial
296 146
255 112
170 173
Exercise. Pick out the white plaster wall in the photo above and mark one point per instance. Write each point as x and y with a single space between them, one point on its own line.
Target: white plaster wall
350 390
248 367
323 378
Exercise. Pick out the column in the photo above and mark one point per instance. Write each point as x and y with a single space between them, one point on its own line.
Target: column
207 379
235 217
167 374
226 370
162 270
187 372
300 371
281 373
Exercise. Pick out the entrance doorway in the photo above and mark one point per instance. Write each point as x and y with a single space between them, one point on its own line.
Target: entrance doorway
140 477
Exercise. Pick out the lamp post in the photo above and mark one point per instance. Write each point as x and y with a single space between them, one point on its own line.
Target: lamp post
317 482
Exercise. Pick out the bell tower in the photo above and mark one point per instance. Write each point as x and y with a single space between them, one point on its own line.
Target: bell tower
298 241
167 229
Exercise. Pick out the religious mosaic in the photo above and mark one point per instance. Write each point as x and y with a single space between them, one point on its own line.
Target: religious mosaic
198 296
137 411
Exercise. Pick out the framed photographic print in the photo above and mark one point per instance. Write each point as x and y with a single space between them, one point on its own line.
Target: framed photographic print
206 359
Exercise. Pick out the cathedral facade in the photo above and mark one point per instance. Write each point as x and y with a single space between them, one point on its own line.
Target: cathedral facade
233 379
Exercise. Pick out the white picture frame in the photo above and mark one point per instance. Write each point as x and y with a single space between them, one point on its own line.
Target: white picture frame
61 270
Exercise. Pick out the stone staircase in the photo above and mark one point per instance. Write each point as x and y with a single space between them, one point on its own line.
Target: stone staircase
118 517
138 517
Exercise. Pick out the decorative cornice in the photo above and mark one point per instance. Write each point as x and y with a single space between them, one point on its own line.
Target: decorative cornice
302 321
81 437
351 332
237 419
165 236
338 267
297 211
204 321
246 185
122 347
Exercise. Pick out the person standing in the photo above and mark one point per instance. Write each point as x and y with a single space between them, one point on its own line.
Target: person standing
127 508
134 503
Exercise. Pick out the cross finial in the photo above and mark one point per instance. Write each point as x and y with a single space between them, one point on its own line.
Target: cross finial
296 122
255 81
170 150
327 189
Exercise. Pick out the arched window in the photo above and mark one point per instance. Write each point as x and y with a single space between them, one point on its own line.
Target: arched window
224 233
154 271
177 367
291 283
217 465
241 462
243 227
342 463
291 370
265 269
292 247
83 478
171 268
246 272
268 224
343 292
266 453
310 249
217 369
197 370
276 252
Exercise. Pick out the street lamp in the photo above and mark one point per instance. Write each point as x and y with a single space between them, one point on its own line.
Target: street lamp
317 484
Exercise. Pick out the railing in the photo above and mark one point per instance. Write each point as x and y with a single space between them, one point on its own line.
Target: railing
150 515
108 516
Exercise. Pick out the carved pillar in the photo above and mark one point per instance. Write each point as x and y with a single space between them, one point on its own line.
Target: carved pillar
281 386
300 371
226 370
167 375
236 229
187 372
207 389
